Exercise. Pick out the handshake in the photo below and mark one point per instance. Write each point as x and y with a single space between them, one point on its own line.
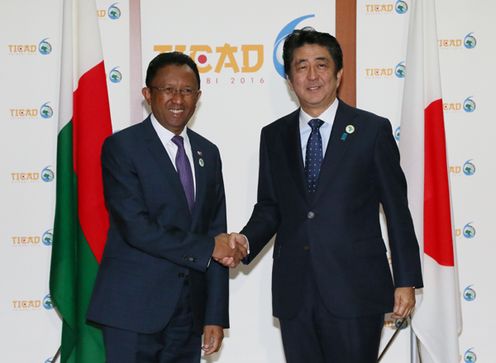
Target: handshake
230 249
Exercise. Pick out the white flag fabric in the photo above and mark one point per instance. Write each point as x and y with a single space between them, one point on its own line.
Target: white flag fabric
437 319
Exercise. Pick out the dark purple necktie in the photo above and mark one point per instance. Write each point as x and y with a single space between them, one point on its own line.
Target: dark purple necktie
314 155
184 170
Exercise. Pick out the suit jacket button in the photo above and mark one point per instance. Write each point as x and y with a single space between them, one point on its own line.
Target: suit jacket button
306 248
310 215
191 259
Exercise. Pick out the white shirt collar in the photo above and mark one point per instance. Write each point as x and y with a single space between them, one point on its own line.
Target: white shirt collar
327 116
166 135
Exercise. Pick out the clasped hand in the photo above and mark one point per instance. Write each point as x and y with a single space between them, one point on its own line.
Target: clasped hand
230 249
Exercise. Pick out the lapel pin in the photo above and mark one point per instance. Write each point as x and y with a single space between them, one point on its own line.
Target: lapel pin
350 129
344 135
201 162
199 153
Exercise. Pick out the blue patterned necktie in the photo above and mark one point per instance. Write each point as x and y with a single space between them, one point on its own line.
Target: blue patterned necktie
314 155
184 170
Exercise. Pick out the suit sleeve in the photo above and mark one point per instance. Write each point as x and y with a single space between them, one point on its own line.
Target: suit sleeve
393 194
265 218
217 304
125 203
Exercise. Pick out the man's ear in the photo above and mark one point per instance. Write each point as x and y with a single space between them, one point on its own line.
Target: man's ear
289 83
339 76
145 91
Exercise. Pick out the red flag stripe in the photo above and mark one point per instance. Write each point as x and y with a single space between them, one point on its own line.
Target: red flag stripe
91 126
438 237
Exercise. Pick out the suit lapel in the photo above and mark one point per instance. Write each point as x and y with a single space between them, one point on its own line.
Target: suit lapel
336 149
158 151
198 167
293 151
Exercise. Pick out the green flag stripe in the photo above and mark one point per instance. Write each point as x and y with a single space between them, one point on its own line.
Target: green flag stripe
73 265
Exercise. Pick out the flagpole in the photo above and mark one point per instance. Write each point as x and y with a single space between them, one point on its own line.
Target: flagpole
413 346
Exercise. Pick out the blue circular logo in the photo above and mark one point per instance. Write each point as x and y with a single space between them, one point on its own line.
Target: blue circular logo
469 168
469 356
469 105
468 231
277 54
469 293
115 76
47 302
47 238
401 7
47 174
44 47
46 111
114 12
397 133
400 70
469 41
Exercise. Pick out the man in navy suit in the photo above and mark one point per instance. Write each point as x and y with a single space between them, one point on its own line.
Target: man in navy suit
324 171
159 286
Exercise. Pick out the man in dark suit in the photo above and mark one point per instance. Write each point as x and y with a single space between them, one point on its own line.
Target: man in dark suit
324 171
157 288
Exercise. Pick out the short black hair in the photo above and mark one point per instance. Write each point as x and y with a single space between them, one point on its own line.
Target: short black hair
165 59
308 35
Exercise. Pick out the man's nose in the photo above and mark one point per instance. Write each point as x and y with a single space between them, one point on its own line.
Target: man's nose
312 73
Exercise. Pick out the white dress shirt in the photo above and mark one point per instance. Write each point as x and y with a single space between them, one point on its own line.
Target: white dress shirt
325 130
166 136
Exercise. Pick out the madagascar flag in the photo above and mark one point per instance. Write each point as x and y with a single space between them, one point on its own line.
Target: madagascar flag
81 220
436 321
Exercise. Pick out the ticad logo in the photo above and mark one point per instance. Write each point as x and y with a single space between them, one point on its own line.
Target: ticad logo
469 230
469 356
47 238
245 58
397 133
469 105
469 41
47 174
114 12
47 302
386 72
469 168
278 43
44 47
26 240
401 7
469 293
26 304
400 70
115 76
46 111
24 113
